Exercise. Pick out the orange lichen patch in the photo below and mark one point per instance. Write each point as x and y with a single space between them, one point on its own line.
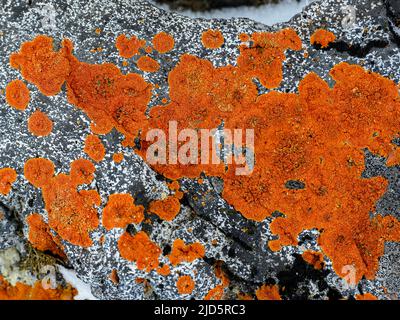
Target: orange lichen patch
268 293
185 253
244 37
216 293
166 209
36 292
109 98
39 124
366 296
316 259
71 213
174 186
322 37
148 64
264 58
244 296
118 157
114 277
212 39
94 148
17 94
140 249
185 285
98 30
82 171
164 270
129 47
163 42
121 211
148 49
41 65
40 236
7 178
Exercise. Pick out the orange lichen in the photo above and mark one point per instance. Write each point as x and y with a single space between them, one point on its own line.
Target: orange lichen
185 253
322 37
266 292
94 148
185 285
114 277
393 158
366 296
71 213
121 211
39 124
129 47
316 259
140 249
166 209
148 64
244 37
17 94
7 178
22 291
212 39
163 42
118 157
41 65
164 270
40 236
216 293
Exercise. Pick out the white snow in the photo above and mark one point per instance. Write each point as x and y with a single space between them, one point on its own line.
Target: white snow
268 14
83 289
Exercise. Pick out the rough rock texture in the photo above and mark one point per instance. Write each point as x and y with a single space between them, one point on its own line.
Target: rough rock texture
207 5
241 244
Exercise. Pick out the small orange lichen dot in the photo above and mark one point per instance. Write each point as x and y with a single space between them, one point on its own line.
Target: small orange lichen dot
166 209
7 178
17 94
164 270
121 211
185 285
94 148
118 157
39 124
185 253
114 277
212 39
163 42
316 259
148 64
322 37
40 236
140 249
129 47
268 293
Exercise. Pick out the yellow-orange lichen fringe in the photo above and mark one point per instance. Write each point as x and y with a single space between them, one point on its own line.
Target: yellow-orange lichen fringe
185 285
7 178
322 37
166 209
185 253
17 94
129 47
121 211
140 249
163 42
71 213
40 236
266 292
148 64
316 259
22 291
39 124
212 39
94 148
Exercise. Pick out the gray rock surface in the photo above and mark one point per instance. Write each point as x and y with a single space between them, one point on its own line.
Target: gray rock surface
245 255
